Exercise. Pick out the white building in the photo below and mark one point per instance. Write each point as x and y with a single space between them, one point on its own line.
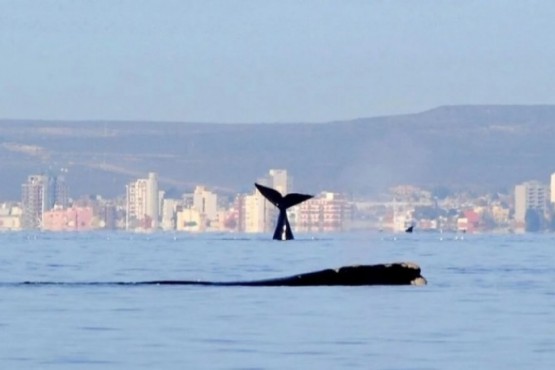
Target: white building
206 202
169 209
10 217
254 213
189 219
530 195
280 181
142 203
152 199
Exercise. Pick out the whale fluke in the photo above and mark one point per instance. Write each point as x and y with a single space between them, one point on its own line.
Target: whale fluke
283 229
402 273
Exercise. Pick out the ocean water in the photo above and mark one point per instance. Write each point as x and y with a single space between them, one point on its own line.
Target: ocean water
489 303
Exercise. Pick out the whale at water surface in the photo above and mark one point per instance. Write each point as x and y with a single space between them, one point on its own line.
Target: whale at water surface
402 273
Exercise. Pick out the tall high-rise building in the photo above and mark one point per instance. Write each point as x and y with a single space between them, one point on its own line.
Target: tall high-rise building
280 181
168 213
254 212
206 202
33 200
153 205
142 204
40 194
530 195
277 179
58 191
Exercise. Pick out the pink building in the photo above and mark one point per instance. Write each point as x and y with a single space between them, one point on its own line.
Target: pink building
325 213
470 222
71 219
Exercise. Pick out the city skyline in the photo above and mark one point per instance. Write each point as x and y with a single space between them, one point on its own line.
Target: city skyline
46 206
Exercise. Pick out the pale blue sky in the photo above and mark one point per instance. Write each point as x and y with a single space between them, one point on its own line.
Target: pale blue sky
269 61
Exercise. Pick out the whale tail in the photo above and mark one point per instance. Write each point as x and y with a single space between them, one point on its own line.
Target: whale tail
283 229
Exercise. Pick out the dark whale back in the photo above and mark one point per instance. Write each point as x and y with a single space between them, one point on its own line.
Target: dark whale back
402 273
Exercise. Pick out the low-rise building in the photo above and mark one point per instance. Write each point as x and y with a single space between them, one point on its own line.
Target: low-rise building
328 212
70 219
10 217
189 219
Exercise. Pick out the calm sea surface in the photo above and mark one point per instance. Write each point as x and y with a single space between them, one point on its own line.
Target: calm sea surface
489 303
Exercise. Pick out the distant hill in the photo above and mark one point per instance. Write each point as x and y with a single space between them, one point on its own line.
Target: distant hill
481 147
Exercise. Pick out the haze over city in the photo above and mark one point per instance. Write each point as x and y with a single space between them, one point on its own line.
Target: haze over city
270 61
353 98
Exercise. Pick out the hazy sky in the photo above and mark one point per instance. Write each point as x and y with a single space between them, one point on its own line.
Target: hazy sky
270 61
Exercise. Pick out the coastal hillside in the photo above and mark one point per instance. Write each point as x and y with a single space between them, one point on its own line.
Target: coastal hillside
479 147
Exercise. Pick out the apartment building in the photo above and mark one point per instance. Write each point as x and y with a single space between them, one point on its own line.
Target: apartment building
530 195
142 203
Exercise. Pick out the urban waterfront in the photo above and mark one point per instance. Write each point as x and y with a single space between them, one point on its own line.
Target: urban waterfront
488 302
147 207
